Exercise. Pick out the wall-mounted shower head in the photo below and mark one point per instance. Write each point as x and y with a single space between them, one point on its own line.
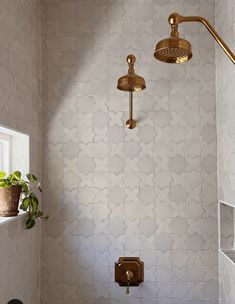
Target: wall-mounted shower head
173 50
177 50
131 82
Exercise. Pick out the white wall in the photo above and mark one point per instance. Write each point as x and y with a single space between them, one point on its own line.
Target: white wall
225 95
227 279
148 192
225 100
20 109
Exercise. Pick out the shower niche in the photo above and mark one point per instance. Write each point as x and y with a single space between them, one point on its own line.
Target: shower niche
227 230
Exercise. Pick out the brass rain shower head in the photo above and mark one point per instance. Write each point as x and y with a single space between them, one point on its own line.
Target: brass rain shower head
131 83
173 50
177 50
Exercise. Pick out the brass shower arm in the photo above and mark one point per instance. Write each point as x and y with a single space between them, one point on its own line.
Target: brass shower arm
174 19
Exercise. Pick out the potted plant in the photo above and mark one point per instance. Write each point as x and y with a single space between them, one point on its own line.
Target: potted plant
14 189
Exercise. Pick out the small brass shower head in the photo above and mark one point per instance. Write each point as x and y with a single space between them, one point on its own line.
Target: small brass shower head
177 50
131 83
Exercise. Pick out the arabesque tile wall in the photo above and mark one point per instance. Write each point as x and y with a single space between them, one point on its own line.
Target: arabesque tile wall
21 109
225 100
148 192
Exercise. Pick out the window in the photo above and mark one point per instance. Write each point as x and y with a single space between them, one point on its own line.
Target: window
14 151
5 153
14 155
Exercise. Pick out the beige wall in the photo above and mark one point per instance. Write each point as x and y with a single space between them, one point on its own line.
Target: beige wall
225 95
20 109
225 101
148 192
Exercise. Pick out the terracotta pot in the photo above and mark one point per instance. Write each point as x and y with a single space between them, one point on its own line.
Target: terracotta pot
9 200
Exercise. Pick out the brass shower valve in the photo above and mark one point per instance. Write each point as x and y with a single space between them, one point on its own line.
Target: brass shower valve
129 271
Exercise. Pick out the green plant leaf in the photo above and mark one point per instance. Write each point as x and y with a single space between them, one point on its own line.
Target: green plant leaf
16 175
25 187
2 174
39 213
25 203
34 203
30 223
46 217
32 178
4 183
10 177
14 178
34 196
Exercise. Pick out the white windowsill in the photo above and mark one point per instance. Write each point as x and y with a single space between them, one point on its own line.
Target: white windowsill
4 219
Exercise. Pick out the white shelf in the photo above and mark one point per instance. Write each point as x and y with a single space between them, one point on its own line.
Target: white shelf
4 220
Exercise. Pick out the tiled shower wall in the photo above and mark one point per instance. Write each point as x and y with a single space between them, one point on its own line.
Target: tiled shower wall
20 109
225 83
111 192
225 96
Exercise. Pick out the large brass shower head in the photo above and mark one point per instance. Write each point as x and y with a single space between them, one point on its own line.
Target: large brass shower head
177 50
173 50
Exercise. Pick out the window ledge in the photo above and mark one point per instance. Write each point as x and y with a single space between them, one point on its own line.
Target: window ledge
4 220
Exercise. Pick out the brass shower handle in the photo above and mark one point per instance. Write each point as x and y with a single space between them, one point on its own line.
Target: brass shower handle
174 19
129 276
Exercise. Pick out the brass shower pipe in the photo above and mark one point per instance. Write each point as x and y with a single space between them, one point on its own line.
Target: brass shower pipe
174 19
131 123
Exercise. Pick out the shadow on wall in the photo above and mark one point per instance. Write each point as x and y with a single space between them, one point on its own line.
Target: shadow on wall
74 79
